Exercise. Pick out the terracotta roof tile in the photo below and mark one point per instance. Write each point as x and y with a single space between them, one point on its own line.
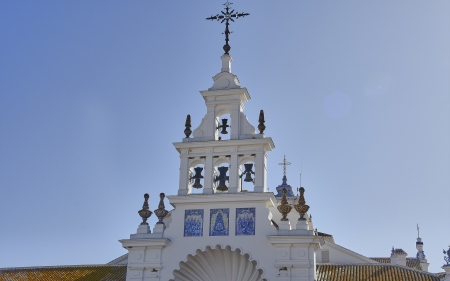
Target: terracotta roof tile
410 262
372 272
65 273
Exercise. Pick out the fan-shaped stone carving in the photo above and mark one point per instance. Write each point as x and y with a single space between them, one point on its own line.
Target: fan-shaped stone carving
218 265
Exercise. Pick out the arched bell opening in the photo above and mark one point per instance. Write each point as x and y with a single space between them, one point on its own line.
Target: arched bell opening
246 173
196 176
223 127
219 264
221 177
247 177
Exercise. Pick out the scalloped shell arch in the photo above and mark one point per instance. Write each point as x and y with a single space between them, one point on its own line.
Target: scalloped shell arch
219 265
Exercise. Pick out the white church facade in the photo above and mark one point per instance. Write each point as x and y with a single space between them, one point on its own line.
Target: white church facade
220 231
225 224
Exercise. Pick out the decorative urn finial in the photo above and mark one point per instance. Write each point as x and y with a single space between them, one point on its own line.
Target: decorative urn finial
284 208
447 257
188 131
261 126
161 212
145 213
301 207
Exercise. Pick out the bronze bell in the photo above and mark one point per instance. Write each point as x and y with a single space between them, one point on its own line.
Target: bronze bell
222 178
248 172
197 177
224 126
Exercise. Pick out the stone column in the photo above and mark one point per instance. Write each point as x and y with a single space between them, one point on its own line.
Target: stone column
209 175
184 173
233 183
260 172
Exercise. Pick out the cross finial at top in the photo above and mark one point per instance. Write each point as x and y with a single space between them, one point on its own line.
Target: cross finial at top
227 4
227 16
284 164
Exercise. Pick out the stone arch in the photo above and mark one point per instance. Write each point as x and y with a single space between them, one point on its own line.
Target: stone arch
220 265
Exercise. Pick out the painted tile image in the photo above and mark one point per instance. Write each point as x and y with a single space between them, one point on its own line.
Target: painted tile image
245 221
219 222
193 223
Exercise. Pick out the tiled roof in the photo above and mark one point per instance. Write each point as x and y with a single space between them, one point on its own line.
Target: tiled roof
372 272
326 236
119 260
65 273
325 272
410 262
399 252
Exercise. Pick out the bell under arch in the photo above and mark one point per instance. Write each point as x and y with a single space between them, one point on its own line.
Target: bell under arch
219 265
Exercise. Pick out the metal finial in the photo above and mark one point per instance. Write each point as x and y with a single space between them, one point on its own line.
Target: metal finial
161 212
261 126
188 131
284 208
145 213
301 207
447 258
284 164
226 17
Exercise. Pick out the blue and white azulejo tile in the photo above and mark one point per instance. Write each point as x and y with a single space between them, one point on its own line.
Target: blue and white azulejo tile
219 222
245 221
193 223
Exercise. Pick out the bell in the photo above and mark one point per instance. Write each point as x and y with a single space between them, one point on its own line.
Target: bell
222 178
248 172
248 177
224 126
197 184
197 177
222 186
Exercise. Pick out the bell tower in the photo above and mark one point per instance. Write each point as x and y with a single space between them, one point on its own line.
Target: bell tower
207 160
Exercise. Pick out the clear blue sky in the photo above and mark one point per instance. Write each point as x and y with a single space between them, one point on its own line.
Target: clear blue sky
93 93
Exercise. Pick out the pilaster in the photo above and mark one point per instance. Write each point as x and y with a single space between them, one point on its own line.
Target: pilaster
184 173
209 175
144 258
234 174
296 257
260 171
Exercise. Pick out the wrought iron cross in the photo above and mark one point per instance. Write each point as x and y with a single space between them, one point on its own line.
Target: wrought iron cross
284 164
226 17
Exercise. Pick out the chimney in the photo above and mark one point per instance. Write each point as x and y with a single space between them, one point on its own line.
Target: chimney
398 257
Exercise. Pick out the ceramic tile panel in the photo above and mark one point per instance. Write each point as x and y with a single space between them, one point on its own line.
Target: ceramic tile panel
245 221
193 223
219 222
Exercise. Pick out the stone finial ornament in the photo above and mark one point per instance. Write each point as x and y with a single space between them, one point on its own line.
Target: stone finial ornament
161 212
284 208
188 131
301 207
447 257
261 126
145 213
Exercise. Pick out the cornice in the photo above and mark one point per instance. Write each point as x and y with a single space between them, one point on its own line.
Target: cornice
267 142
247 197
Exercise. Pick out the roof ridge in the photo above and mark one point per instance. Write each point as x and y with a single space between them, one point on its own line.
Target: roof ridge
381 264
61 266
119 259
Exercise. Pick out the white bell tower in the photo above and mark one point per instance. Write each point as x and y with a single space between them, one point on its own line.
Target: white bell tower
209 154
